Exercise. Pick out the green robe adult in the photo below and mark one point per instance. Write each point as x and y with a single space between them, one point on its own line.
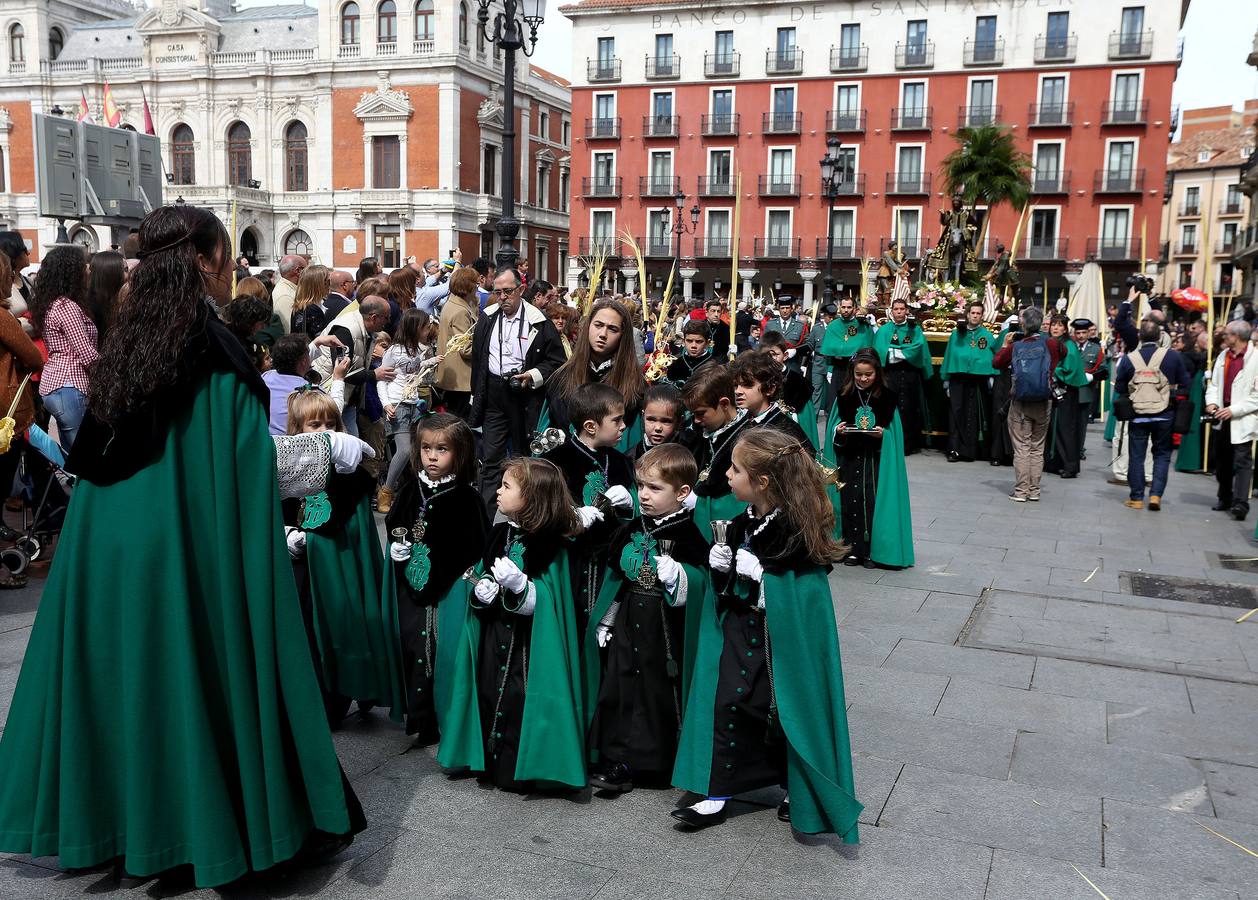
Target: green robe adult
791 647
967 366
1000 444
1062 449
843 338
906 362
167 712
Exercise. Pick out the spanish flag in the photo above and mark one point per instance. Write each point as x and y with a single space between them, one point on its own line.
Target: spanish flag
112 115
85 114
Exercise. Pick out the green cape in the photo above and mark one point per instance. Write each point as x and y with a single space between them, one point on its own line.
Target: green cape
891 538
807 419
167 708
808 681
914 347
838 342
552 735
1070 370
1111 424
960 357
1189 457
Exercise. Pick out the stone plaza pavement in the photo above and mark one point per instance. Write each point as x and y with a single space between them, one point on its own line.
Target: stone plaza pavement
1016 711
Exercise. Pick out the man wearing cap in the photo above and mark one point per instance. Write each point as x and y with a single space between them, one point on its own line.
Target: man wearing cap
1094 364
818 365
794 330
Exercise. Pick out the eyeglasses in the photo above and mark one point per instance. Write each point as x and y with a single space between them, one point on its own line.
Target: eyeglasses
503 292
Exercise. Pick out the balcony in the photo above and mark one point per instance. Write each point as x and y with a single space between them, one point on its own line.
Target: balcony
1125 112
658 245
1189 210
660 68
776 248
1113 248
908 183
977 116
911 118
846 246
915 56
1051 115
602 70
605 244
721 65
849 59
1056 49
601 187
784 62
782 122
1228 245
845 121
1130 45
779 185
719 186
660 126
846 186
1050 183
1118 181
1047 249
984 53
659 185
1186 248
1231 208
714 247
605 129
716 124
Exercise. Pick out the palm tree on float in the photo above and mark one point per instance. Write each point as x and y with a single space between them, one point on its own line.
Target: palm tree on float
988 168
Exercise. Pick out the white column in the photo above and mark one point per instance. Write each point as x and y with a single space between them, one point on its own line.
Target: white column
745 277
630 276
687 284
809 276
448 115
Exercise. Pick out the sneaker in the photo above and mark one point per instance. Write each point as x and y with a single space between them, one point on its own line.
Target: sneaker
1034 498
1017 498
1155 502
1133 504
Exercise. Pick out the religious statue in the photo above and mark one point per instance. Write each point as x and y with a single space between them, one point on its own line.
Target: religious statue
954 254
892 264
1004 273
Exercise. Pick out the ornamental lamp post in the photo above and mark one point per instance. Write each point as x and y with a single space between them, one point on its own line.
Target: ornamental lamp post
508 33
831 177
680 228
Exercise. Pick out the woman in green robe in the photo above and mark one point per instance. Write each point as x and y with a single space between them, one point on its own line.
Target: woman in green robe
167 713
1190 458
1061 455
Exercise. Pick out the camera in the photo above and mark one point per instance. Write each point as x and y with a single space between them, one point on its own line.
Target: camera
1142 283
512 384
337 354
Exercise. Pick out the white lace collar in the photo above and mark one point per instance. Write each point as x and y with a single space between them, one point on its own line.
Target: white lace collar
764 523
711 435
662 519
766 415
604 366
436 482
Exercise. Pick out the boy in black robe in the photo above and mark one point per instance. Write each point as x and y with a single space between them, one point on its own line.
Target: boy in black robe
758 382
694 338
709 397
796 391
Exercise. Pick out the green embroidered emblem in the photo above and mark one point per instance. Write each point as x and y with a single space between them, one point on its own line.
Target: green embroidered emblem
864 419
595 487
316 510
419 567
639 549
515 553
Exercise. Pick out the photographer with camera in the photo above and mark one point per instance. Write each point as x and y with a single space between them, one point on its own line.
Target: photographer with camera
1031 357
436 280
1232 402
515 349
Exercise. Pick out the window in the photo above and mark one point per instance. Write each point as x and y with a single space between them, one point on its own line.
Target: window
1119 162
1115 232
722 118
604 168
543 261
907 224
784 109
1043 242
182 163
295 177
982 102
1192 200
913 104
909 168
779 236
786 44
1229 235
1203 156
843 227
845 169
463 24
1053 100
424 20
985 39
1188 239
723 52
1132 29
349 24
605 113
239 154
1057 34
480 42
298 243
17 44
1185 275
606 57
386 23
915 43
388 245
659 228
56 43
664 55
782 166
717 232
602 227
1233 200
1126 97
543 126
489 170
386 157
847 100
720 167
849 45
1047 168
565 133
661 172
564 190
543 186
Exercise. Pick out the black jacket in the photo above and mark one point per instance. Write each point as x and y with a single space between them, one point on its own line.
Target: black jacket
543 355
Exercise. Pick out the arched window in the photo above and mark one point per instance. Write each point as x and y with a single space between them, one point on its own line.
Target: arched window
298 243
17 44
424 30
248 247
386 23
349 23
463 24
295 177
84 238
56 43
182 164
480 42
239 155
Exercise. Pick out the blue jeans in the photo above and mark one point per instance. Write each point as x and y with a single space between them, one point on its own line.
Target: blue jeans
1139 434
68 405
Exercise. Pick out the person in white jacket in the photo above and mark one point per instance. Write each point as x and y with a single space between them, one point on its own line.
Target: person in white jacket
1232 398
412 358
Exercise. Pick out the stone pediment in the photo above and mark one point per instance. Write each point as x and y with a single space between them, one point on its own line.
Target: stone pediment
384 103
545 155
172 16
490 114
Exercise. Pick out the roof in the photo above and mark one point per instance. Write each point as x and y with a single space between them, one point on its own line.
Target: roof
550 76
595 5
1227 147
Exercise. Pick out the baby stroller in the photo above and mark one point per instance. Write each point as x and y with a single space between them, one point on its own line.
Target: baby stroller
42 515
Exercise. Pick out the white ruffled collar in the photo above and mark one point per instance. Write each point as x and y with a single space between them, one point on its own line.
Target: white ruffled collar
742 413
764 523
437 482
655 523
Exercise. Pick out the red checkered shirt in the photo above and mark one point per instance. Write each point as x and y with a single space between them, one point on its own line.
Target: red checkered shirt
70 336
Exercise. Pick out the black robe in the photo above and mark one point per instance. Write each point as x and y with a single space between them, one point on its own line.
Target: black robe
557 405
681 368
796 391
858 459
967 416
905 380
714 459
1000 444
778 419
637 715
455 530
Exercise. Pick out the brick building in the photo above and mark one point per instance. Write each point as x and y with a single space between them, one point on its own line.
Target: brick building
342 130
673 97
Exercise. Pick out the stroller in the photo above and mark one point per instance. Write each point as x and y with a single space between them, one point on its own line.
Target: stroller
41 516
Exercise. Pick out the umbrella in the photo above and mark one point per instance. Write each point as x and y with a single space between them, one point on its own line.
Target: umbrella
1190 298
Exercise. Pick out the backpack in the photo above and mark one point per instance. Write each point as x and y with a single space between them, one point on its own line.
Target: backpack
1032 370
1149 389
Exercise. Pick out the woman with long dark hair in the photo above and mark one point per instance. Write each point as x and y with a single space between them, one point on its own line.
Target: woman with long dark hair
13 245
167 713
61 315
604 353
106 274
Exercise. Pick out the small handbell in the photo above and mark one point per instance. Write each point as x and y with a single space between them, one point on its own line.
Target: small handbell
666 546
545 441
719 529
829 475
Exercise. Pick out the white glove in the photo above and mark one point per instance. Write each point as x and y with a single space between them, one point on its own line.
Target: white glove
399 552
1061 303
588 516
603 634
296 540
690 500
618 495
790 352
485 591
348 451
508 574
749 565
945 387
720 557
669 571
1089 376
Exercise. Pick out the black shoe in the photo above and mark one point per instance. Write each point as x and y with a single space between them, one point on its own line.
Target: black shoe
695 820
1239 512
1069 474
954 456
851 561
615 777
994 462
869 564
8 534
784 811
1221 506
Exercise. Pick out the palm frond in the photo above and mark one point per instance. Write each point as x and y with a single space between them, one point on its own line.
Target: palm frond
987 167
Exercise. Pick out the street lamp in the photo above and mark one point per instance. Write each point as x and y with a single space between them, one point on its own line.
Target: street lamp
831 178
508 33
679 227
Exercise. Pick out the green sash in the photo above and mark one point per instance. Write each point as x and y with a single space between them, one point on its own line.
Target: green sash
1189 457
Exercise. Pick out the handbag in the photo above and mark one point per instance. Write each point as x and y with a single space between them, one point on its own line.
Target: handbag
8 423
1124 410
